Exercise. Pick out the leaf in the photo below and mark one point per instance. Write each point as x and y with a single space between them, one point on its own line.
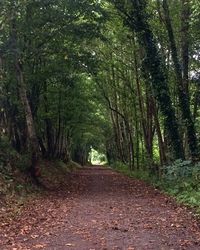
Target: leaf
40 245
70 245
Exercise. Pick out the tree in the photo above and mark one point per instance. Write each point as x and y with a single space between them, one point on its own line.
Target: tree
136 18
182 82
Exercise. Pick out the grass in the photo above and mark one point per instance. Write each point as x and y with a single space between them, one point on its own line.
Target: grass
140 174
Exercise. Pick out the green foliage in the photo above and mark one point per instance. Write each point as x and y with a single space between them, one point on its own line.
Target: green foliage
141 174
10 159
181 171
182 179
178 170
97 158
8 156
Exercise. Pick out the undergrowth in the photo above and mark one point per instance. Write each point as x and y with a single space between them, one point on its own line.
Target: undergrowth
140 174
16 185
180 179
14 177
54 174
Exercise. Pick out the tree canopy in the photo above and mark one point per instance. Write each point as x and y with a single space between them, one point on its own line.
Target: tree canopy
118 76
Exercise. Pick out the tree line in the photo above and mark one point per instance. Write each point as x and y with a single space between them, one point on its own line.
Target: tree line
120 76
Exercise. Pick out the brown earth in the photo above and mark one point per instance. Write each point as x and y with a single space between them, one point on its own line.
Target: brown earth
100 209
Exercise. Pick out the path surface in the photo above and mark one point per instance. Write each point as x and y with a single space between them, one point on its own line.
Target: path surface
103 210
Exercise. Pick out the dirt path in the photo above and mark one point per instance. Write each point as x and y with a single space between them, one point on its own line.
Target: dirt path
102 210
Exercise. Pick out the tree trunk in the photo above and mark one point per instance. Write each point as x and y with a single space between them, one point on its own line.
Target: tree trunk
138 22
182 88
163 158
32 137
185 18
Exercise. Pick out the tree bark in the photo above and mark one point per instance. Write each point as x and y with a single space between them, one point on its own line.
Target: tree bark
31 132
32 137
182 88
185 18
136 19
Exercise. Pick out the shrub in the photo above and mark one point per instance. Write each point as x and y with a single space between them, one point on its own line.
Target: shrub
141 174
182 179
10 159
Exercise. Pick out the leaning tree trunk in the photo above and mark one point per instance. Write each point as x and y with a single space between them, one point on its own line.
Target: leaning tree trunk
32 137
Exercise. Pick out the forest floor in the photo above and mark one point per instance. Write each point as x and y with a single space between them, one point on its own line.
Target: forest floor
99 209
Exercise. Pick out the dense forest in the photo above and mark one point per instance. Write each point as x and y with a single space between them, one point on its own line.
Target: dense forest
99 124
121 77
